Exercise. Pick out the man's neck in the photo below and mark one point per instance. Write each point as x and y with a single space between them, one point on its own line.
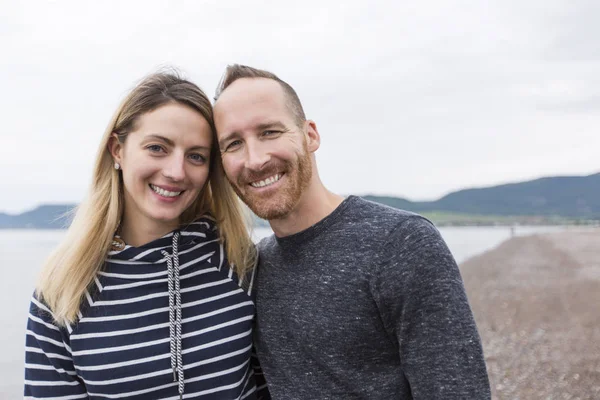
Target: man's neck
315 204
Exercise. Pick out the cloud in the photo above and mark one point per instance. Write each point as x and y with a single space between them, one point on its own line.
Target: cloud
411 99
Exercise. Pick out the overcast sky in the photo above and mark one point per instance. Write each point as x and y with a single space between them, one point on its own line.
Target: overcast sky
413 99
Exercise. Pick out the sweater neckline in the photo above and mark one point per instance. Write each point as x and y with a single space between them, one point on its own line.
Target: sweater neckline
316 229
201 230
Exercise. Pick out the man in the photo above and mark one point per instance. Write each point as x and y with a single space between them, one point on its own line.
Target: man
355 300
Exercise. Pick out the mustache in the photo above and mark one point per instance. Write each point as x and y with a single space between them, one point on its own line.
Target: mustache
267 171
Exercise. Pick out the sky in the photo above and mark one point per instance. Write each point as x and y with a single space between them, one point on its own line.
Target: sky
412 99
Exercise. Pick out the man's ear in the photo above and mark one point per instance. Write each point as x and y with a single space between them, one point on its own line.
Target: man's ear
115 148
312 135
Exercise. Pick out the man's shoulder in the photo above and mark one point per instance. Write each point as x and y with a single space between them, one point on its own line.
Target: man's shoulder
266 242
268 249
380 216
363 220
376 208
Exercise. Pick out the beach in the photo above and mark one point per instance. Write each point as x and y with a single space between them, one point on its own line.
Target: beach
536 301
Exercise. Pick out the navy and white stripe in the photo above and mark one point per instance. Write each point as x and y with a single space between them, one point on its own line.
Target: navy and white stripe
120 347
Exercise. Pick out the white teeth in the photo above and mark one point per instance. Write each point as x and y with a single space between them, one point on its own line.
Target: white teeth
266 182
163 192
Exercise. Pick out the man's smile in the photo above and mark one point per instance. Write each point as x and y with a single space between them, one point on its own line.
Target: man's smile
266 182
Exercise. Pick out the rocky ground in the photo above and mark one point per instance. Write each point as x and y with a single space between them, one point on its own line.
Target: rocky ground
536 301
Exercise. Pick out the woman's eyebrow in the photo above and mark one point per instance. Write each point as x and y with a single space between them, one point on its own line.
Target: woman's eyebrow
171 143
161 138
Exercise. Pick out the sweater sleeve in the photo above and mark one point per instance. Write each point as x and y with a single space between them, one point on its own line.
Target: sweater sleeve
424 307
262 390
49 369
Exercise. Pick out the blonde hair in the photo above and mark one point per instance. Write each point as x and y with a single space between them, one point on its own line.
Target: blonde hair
72 267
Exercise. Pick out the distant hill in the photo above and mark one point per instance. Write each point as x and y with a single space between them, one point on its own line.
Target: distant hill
568 197
563 196
42 217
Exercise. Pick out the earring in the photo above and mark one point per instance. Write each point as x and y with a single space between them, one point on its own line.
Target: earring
117 166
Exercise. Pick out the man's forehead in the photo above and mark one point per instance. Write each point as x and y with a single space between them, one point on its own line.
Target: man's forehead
251 90
255 120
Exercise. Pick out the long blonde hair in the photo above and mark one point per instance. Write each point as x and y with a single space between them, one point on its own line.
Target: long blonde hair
72 267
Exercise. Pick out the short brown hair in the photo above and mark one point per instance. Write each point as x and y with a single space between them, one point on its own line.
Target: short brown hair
237 71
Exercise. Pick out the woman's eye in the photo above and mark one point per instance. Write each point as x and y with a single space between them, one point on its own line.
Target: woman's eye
197 158
154 148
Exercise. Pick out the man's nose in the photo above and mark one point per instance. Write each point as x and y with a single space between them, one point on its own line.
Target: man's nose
256 156
174 168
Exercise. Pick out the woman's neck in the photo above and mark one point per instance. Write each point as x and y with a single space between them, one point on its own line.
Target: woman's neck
137 234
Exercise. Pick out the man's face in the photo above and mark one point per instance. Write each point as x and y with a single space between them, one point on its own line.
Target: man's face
265 154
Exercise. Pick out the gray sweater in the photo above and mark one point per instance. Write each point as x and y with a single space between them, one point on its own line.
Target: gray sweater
366 304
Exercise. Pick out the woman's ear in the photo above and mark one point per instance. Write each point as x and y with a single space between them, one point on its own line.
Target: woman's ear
115 148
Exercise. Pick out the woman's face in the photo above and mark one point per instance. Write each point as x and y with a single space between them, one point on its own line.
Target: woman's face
165 165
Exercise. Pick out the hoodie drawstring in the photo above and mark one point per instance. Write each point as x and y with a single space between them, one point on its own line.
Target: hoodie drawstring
175 313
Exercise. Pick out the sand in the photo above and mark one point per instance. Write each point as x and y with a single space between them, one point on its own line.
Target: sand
536 301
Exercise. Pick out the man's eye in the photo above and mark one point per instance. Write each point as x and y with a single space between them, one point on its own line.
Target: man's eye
233 145
270 133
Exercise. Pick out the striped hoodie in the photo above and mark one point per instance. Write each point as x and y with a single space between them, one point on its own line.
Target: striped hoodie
166 320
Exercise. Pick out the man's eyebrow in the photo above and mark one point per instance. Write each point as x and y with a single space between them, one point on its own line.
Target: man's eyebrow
270 125
231 136
258 128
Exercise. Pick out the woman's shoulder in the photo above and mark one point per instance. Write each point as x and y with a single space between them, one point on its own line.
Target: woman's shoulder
41 318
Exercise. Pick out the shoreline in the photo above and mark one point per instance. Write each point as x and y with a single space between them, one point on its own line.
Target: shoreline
534 222
535 300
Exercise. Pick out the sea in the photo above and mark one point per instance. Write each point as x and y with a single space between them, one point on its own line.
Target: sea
22 252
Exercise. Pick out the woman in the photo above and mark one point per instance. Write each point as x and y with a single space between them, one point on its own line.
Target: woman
144 298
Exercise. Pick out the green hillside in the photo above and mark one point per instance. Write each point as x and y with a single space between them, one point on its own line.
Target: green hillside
563 199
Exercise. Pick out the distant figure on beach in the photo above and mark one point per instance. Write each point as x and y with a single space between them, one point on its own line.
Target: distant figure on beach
150 295
355 300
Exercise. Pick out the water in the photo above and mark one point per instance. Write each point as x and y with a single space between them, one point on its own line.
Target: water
22 252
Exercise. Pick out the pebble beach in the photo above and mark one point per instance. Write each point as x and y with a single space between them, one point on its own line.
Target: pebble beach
536 301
